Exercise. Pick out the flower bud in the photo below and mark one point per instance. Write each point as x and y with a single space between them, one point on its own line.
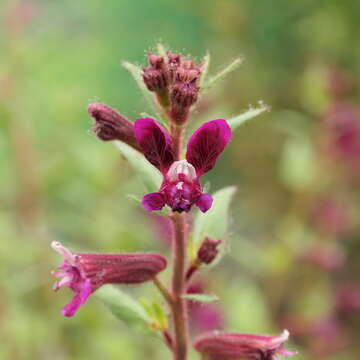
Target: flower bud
187 75
85 273
110 125
208 250
156 76
174 61
230 346
183 95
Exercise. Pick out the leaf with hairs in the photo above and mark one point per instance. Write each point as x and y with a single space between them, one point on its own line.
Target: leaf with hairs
241 119
220 75
124 307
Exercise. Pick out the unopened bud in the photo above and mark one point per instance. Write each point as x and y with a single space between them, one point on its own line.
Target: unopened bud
156 61
110 125
156 76
154 79
174 62
208 250
189 64
183 95
187 75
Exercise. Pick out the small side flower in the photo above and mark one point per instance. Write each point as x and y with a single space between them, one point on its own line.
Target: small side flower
110 125
231 346
85 273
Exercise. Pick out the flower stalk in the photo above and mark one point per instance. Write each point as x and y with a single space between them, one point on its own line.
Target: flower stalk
178 286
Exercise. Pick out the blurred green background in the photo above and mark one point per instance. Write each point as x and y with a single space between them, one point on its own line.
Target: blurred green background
294 222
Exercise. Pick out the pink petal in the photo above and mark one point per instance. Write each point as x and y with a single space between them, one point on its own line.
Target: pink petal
78 300
153 201
155 143
207 143
204 202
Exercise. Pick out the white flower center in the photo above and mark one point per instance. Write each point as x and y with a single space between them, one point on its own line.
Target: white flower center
181 167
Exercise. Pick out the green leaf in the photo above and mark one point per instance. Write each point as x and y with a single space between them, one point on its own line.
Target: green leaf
205 69
220 75
157 314
206 298
160 316
136 72
214 223
238 120
123 306
148 174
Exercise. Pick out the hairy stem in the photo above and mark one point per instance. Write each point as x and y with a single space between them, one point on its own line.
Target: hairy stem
178 286
177 133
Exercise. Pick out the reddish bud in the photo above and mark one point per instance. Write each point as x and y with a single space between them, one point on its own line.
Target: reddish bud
110 125
230 346
156 76
183 95
174 61
185 75
208 250
155 79
85 273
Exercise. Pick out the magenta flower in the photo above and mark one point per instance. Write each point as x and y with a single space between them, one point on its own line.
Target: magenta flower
230 346
181 187
85 273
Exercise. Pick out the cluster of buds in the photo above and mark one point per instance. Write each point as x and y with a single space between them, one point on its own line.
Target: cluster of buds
174 80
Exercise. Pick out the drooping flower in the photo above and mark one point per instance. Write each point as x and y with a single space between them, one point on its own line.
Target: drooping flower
85 273
181 187
232 346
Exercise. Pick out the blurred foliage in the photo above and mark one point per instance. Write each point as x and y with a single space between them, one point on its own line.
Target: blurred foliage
58 182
